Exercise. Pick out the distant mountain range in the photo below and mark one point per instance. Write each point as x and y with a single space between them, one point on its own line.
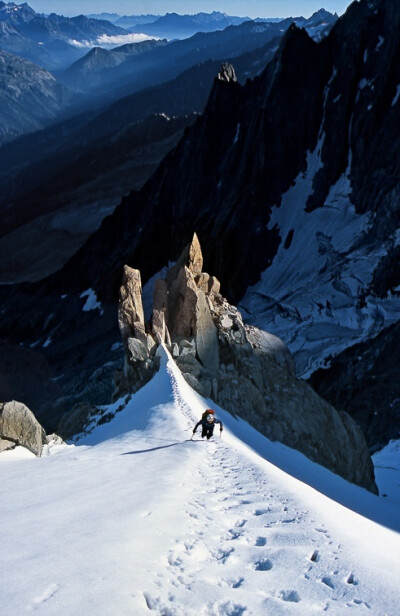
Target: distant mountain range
51 41
30 97
131 20
58 176
127 71
55 42
54 168
174 26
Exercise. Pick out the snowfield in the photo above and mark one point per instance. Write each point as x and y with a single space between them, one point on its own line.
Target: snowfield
135 519
310 296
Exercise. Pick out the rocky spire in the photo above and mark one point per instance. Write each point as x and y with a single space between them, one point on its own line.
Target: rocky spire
227 72
130 307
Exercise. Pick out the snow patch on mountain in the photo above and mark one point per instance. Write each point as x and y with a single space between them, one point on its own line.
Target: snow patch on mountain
396 96
309 296
91 302
387 471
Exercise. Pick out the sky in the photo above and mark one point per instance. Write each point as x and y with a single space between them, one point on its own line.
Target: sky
250 8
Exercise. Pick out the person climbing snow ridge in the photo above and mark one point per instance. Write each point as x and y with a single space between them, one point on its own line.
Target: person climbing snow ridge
208 421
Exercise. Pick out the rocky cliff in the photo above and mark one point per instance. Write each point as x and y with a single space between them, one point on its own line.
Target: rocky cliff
364 380
246 370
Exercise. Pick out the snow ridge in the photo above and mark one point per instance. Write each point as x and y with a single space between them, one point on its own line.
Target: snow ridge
178 528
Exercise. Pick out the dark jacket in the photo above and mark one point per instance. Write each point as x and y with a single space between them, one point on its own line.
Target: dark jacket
208 424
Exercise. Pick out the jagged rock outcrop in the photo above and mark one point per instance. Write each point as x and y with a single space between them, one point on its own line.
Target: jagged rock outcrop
140 360
130 307
247 371
227 72
18 426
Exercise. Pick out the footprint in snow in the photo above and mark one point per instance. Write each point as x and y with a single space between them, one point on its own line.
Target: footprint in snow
226 609
260 542
233 534
232 582
259 512
322 530
174 560
240 523
291 596
265 564
315 556
154 603
359 602
223 555
328 582
352 580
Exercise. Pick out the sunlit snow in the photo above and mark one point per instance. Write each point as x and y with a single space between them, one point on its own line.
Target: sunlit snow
137 519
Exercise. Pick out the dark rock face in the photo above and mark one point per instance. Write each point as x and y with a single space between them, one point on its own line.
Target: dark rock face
238 154
247 371
26 373
364 381
216 179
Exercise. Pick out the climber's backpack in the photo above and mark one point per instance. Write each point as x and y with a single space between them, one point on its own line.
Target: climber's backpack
207 412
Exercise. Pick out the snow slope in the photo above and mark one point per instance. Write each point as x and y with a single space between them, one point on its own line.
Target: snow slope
136 519
311 294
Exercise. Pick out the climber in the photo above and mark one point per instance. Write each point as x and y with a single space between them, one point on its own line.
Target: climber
208 421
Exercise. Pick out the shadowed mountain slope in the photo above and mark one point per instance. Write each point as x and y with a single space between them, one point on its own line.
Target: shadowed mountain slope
292 178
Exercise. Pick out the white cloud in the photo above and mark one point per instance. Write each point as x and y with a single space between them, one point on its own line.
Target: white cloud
111 41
